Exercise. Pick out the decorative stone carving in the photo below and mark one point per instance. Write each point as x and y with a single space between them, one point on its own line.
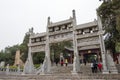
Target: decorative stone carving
42 38
31 30
86 30
89 47
63 27
38 48
37 39
75 33
102 47
29 66
2 64
111 65
69 25
119 59
7 69
57 28
51 29
95 29
88 39
79 32
18 61
32 40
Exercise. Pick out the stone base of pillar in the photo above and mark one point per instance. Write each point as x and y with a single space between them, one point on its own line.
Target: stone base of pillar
74 72
45 68
105 72
76 65
111 65
47 65
114 72
42 73
29 67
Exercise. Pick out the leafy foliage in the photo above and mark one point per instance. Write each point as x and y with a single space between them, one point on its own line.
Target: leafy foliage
57 48
38 57
110 14
8 55
24 47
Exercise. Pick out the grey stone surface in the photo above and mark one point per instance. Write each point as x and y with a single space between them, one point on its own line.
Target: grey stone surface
111 65
119 59
102 47
2 64
85 36
29 67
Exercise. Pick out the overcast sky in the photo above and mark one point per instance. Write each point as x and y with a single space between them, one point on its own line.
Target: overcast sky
17 16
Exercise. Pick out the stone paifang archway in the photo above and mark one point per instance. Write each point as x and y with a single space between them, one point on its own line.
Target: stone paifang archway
84 36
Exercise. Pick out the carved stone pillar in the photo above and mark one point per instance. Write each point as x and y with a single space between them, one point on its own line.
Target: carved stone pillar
76 64
47 61
102 46
7 69
103 53
82 57
111 65
47 55
98 56
71 59
29 67
119 58
18 69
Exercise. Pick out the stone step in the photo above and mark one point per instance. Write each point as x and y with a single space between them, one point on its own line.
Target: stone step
64 73
63 69
61 77
118 67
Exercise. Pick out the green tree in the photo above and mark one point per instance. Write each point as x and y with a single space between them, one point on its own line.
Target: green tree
57 48
24 47
110 14
7 57
9 54
38 57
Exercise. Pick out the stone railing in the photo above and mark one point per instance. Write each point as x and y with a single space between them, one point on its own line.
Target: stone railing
38 70
118 67
10 71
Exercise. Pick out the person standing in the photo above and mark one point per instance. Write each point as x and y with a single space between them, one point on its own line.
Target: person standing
84 60
62 62
100 67
66 62
56 61
95 66
92 67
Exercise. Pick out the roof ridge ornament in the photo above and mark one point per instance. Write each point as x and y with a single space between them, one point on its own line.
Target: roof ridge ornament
74 15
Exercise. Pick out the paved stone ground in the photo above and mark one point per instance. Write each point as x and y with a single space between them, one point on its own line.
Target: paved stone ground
60 77
118 67
64 73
